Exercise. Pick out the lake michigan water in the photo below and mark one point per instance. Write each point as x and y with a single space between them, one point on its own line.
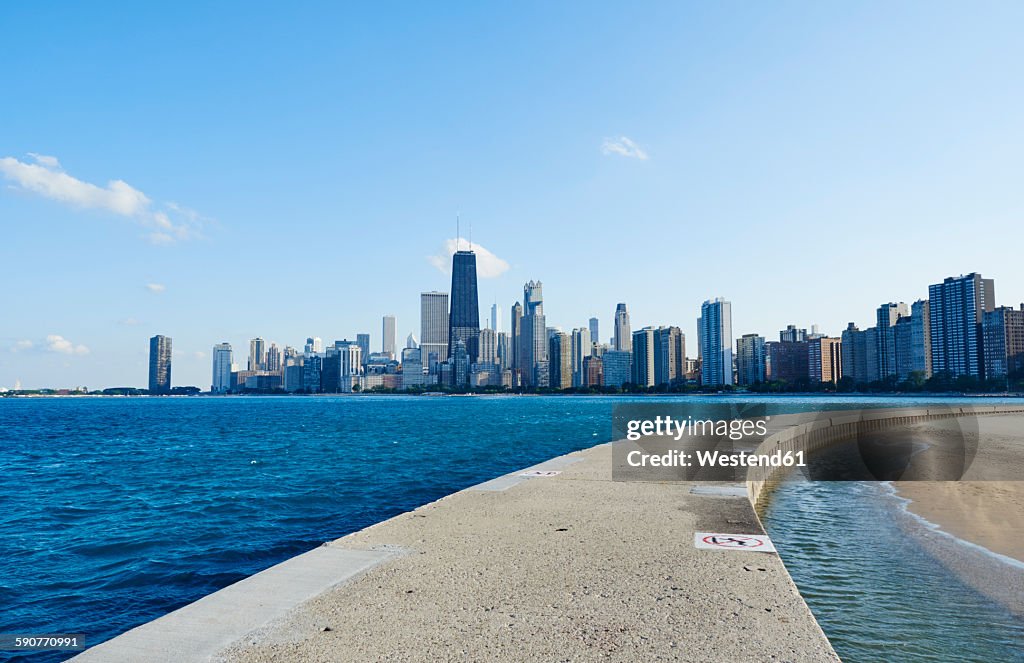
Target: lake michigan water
116 511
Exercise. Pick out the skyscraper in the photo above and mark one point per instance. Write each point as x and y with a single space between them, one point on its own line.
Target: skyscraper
412 367
615 366
291 372
750 359
533 296
714 338
886 317
593 370
824 359
581 349
669 355
792 334
222 359
956 307
160 365
503 350
495 317
464 313
433 329
341 367
903 337
257 354
459 364
516 329
533 338
312 378
786 361
389 340
623 335
1003 329
642 370
273 360
921 338
560 361
594 326
860 354
363 341
488 347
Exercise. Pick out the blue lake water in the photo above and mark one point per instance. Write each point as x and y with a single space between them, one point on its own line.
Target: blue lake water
116 511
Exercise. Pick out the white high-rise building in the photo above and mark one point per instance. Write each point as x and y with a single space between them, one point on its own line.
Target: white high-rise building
714 339
623 334
581 347
433 328
273 358
488 346
389 340
349 366
495 317
222 361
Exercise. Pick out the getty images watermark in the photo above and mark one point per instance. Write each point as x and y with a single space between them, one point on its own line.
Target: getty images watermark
826 441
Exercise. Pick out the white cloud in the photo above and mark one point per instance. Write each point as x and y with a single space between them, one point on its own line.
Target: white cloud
156 288
488 265
59 344
44 160
624 147
167 223
130 322
22 345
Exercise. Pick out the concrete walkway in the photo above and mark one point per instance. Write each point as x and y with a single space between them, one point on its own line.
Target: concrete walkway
573 567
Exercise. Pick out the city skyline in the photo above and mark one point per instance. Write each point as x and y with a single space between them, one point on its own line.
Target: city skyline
700 155
434 323
961 330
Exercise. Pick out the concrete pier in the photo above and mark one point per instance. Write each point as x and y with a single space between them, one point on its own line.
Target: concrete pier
566 565
570 567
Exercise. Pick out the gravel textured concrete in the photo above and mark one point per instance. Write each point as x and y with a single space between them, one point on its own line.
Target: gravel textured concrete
574 567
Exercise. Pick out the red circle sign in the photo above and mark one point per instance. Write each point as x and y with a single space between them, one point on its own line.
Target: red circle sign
733 541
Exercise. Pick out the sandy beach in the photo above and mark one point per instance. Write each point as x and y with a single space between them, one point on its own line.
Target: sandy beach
986 508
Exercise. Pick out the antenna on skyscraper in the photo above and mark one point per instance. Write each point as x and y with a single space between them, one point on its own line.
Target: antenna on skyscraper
471 234
458 232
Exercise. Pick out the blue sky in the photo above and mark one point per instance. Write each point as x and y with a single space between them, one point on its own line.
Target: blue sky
286 172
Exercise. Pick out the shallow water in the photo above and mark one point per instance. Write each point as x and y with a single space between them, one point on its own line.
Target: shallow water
877 595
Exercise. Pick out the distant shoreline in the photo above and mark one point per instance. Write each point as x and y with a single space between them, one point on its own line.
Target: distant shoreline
435 394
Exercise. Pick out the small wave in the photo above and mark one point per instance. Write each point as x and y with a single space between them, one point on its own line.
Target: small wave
904 503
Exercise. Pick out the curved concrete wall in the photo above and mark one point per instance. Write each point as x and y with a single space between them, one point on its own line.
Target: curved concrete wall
834 427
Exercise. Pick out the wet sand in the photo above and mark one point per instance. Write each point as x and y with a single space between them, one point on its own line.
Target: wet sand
987 513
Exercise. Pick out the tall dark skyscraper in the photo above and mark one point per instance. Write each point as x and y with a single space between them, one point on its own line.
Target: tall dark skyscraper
464 315
160 365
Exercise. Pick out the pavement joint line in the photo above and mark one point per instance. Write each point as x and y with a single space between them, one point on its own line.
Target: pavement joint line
506 481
